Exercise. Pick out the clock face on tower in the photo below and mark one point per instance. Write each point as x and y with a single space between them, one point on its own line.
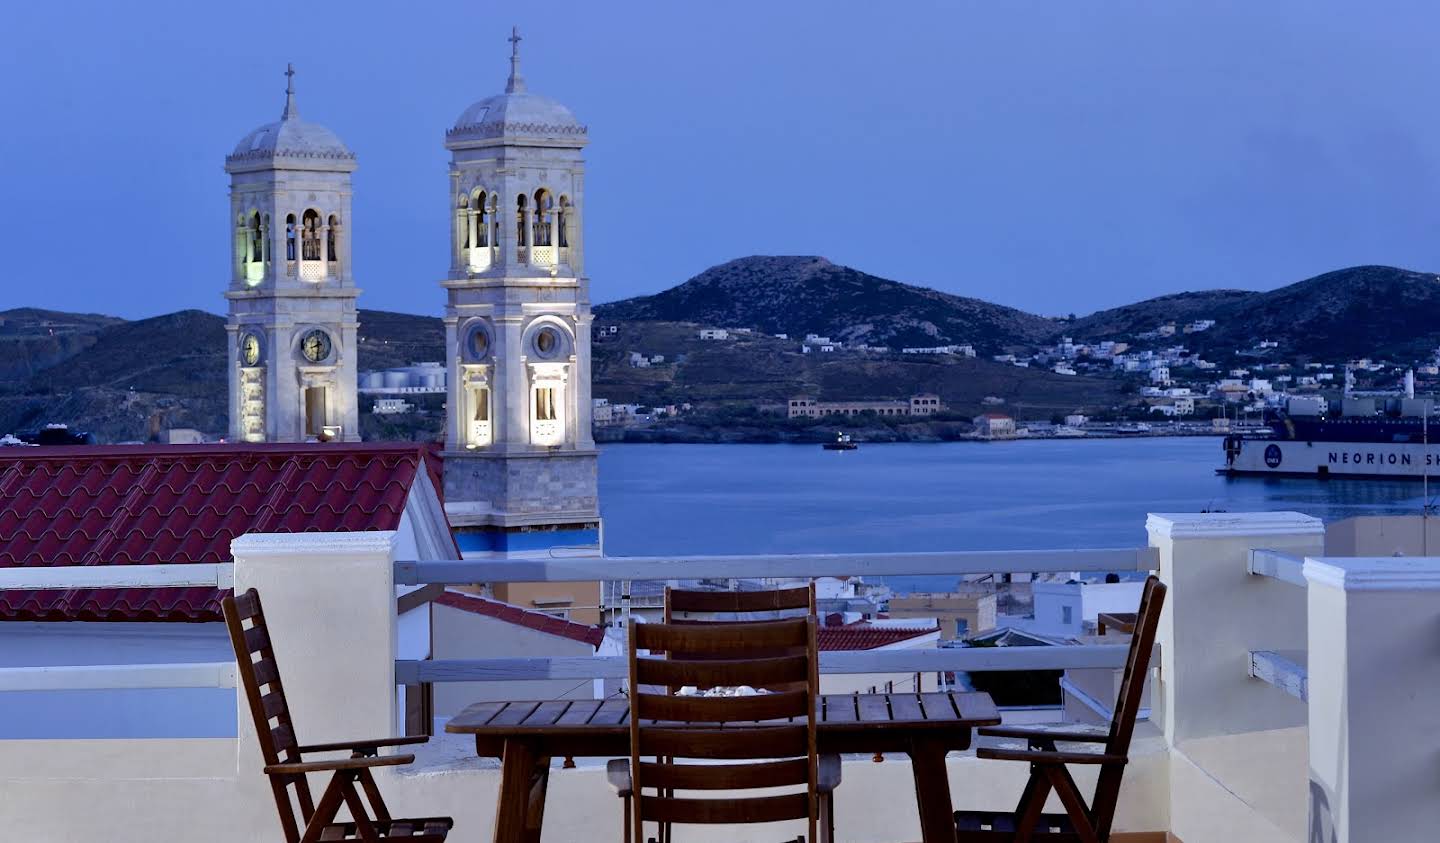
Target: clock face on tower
315 346
249 349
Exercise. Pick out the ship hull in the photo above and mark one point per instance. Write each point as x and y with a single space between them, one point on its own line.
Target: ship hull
1295 458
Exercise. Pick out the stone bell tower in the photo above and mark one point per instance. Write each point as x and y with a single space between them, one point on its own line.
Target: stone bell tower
292 326
520 461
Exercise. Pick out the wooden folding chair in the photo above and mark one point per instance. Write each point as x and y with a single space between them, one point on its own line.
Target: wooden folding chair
780 751
1048 766
283 754
732 606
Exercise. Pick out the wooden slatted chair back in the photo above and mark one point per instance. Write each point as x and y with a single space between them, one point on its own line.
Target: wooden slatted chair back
675 729
734 603
681 607
260 677
1127 705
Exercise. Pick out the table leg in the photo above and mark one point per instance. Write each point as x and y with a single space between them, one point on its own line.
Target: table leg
520 809
932 791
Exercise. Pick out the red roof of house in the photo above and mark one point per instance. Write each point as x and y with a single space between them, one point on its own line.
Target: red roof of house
866 636
539 621
147 505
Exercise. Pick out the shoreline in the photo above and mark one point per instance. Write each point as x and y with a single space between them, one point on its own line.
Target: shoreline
694 435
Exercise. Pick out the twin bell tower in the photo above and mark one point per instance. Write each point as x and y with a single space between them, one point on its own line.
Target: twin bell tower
520 460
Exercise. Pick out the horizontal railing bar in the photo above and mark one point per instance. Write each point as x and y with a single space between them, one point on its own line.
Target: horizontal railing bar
1285 670
944 563
1286 567
868 661
118 676
196 575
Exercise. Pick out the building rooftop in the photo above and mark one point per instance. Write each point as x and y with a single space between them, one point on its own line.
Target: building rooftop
864 635
538 621
147 505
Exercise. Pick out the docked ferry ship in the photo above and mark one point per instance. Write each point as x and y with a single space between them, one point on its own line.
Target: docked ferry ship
1394 440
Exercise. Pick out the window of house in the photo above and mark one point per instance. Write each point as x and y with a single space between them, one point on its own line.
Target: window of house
1066 615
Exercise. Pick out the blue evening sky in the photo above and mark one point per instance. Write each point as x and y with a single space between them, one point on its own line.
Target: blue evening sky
1056 156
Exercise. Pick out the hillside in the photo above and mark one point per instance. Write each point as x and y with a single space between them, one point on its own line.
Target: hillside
32 340
1361 311
126 381
802 295
760 368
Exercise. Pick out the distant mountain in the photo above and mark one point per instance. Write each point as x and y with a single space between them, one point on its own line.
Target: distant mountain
1362 311
800 295
126 381
32 339
1147 315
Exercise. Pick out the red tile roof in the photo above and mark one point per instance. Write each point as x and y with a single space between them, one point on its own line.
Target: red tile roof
540 621
147 505
866 636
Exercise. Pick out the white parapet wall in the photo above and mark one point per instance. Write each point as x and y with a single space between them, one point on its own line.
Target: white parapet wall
1374 683
1214 714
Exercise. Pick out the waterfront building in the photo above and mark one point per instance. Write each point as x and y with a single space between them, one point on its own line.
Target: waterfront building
291 330
994 425
921 404
520 460
713 334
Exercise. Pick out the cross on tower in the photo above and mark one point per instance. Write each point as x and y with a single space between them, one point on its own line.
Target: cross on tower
289 78
514 40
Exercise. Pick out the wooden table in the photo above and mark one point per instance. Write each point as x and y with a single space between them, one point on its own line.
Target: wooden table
526 735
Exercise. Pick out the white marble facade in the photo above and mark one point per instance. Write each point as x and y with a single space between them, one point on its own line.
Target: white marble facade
519 450
292 323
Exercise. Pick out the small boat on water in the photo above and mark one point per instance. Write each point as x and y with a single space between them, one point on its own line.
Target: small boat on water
842 442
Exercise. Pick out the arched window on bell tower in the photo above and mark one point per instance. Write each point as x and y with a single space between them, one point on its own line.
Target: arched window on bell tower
256 252
291 236
544 208
310 230
332 232
562 220
480 227
522 236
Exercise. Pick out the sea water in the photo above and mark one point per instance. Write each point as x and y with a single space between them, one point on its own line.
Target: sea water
1044 494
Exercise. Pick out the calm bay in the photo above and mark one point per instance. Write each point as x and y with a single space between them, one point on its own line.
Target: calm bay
702 499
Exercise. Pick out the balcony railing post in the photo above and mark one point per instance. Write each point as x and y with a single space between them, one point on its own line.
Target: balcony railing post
1216 613
329 600
1374 678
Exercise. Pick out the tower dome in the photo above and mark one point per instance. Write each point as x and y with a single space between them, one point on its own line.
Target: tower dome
303 142
517 113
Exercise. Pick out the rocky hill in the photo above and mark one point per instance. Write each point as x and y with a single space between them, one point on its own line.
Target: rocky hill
1362 311
802 295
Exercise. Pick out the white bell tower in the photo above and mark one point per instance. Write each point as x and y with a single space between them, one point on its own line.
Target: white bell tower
520 461
292 326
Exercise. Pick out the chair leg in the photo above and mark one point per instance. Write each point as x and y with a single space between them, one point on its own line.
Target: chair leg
625 825
1032 804
827 817
1074 805
326 810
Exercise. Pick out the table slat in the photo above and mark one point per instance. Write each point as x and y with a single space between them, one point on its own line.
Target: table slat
480 714
611 713
938 707
840 708
579 713
975 706
547 713
874 709
513 714
906 707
